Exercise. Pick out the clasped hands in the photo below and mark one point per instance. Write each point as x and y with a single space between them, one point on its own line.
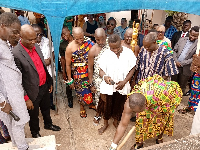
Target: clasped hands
119 84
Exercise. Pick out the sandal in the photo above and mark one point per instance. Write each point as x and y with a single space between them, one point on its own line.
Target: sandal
83 114
184 110
92 107
96 119
158 141
135 147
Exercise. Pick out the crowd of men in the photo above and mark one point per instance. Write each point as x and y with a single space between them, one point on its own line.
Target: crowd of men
98 62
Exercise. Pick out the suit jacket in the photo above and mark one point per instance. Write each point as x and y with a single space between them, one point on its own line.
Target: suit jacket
30 77
188 59
11 88
176 37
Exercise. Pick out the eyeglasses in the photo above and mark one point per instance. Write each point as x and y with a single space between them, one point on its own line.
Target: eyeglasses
160 32
39 34
108 23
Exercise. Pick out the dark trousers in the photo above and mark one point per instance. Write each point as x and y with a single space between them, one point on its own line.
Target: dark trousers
42 102
69 93
181 79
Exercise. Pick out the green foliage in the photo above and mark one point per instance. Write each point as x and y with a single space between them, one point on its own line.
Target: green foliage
170 13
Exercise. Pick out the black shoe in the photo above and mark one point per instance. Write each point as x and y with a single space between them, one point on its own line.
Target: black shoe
53 107
37 135
52 127
70 102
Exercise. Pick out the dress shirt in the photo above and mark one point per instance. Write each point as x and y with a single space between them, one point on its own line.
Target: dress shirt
38 64
185 50
184 34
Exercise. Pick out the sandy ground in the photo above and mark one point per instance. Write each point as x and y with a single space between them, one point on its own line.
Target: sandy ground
81 134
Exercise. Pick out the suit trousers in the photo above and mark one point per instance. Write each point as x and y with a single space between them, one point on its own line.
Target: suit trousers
181 79
43 102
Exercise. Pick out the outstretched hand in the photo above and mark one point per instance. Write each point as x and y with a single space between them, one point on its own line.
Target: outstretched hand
120 85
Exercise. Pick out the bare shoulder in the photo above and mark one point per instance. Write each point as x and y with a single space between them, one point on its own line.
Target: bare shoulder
92 51
127 108
70 46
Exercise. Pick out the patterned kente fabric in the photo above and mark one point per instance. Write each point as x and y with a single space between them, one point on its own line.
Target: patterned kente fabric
165 44
159 62
80 72
195 92
162 97
96 77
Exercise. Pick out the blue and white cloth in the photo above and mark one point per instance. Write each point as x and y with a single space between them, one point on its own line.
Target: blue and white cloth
170 31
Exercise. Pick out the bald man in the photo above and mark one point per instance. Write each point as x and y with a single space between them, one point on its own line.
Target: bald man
127 41
154 104
76 56
93 66
36 80
160 61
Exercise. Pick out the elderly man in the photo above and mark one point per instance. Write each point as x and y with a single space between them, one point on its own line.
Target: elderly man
162 40
122 29
183 53
11 90
180 34
93 66
154 104
127 41
154 59
76 56
116 69
36 80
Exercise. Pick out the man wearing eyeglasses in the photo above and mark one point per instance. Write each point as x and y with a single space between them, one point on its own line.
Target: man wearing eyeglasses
11 91
36 80
43 43
111 24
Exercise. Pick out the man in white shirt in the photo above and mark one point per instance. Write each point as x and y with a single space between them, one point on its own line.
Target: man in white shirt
116 68
43 42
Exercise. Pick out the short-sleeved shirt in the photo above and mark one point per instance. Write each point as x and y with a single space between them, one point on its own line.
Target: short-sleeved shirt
63 46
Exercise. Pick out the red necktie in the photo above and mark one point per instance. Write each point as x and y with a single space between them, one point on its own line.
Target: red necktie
183 35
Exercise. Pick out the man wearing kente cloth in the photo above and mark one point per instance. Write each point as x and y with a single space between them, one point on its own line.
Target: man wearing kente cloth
154 100
77 61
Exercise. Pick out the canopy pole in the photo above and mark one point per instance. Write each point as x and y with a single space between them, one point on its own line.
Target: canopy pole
52 70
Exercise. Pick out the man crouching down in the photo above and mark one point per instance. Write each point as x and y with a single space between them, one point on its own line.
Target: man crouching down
154 100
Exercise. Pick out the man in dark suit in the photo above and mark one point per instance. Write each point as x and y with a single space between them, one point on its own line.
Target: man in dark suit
36 80
180 34
183 53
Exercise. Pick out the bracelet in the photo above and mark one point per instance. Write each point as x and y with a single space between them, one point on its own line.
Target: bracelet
104 76
70 82
90 85
3 106
113 146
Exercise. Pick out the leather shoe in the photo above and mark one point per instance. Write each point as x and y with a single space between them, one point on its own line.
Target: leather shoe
52 127
37 135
